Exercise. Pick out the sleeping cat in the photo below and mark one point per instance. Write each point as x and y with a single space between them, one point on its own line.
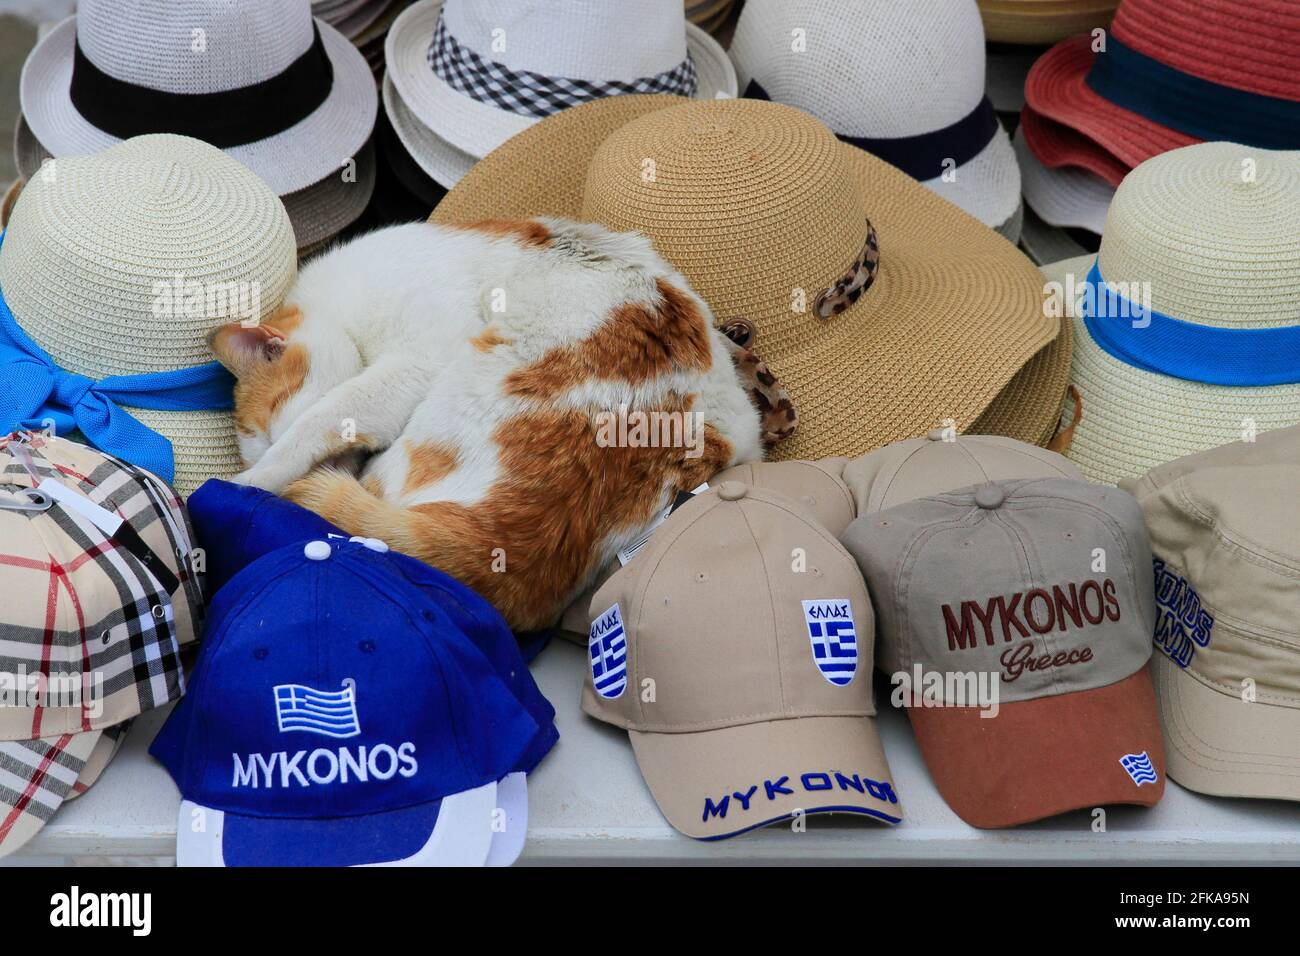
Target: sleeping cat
476 366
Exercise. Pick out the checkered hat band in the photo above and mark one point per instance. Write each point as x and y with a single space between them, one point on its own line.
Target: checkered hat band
35 778
533 94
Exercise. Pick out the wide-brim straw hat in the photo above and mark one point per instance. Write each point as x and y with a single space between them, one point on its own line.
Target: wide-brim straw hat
138 37
1043 21
1216 251
94 240
760 206
1068 197
473 128
1189 71
894 73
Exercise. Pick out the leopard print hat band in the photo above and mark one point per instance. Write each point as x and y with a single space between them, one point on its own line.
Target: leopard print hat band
850 286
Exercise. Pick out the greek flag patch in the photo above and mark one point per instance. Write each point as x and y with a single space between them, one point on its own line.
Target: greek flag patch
833 637
1138 766
324 712
608 646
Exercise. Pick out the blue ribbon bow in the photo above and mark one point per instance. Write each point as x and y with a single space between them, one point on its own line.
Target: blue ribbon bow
36 393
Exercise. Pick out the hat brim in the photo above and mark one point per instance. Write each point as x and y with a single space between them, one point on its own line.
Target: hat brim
453 831
1134 420
1042 21
1221 745
1037 758
106 748
443 163
684 770
1057 88
508 839
1056 146
318 213
36 777
954 315
1068 197
300 156
477 128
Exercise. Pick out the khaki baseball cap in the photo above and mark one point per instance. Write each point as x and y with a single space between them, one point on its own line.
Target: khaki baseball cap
945 461
1040 589
736 650
1225 537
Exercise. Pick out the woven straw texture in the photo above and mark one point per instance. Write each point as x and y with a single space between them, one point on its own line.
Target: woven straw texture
1216 251
149 43
1254 48
1068 197
576 39
1043 21
91 236
753 201
894 68
1056 145
443 162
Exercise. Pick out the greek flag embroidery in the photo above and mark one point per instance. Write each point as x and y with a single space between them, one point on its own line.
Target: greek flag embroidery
328 713
608 646
1139 768
834 638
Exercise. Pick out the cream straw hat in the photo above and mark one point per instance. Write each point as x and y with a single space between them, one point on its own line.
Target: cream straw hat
903 79
1211 231
286 95
763 210
89 268
476 72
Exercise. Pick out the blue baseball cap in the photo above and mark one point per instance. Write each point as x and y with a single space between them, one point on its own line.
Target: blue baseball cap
337 716
237 524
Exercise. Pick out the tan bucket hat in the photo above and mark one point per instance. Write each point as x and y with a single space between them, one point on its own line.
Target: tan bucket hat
1043 21
766 213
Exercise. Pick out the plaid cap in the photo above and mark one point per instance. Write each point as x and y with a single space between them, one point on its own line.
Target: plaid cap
88 634
106 747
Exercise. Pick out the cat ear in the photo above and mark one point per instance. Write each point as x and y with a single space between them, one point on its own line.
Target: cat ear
241 348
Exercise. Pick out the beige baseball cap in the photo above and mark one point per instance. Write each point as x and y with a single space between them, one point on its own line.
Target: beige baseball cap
1225 538
736 650
944 461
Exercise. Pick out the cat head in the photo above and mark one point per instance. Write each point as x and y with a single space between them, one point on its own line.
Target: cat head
271 372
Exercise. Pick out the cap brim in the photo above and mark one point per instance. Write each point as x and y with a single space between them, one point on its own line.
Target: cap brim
1037 758
101 755
724 768
1221 745
955 305
36 776
510 828
1057 88
453 831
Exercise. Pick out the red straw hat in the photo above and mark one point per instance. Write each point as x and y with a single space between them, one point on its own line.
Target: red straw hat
1177 72
1055 145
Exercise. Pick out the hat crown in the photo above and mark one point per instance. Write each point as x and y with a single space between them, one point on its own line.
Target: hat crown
123 261
1211 230
577 39
889 68
207 46
727 189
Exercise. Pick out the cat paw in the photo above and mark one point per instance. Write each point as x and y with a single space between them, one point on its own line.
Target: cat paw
269 479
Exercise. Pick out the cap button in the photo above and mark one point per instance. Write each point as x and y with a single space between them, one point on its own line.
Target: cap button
317 550
731 490
374 544
989 496
937 434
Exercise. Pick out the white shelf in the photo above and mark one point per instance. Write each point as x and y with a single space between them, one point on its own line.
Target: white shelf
588 804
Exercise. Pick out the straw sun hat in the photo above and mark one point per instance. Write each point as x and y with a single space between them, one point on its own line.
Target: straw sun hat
903 79
1211 230
763 210
1043 21
89 268
472 73
286 95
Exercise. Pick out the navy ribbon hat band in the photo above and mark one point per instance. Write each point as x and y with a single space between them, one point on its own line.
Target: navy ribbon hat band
1190 104
1161 343
922 156
226 118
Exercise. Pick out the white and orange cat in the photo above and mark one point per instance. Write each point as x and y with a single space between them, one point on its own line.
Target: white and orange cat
472 364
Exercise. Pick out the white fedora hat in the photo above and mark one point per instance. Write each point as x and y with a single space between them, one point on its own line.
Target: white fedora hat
1208 234
476 72
286 95
114 269
1070 197
318 213
903 79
